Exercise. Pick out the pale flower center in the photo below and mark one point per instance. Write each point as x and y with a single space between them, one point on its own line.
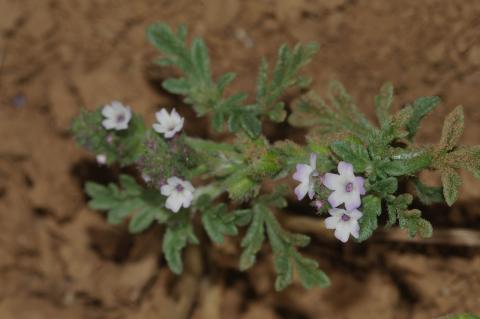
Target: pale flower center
349 187
345 218
120 118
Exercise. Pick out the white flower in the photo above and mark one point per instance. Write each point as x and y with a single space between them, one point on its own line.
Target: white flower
304 174
179 192
344 222
346 187
146 178
168 124
101 159
116 116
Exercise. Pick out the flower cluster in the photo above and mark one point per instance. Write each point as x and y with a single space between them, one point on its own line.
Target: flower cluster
346 189
179 193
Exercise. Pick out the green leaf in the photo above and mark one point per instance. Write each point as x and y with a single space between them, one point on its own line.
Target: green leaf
352 153
385 186
218 223
217 121
122 209
452 129
243 216
225 80
176 237
284 245
451 182
145 205
285 75
234 123
407 166
142 220
176 86
412 221
340 116
277 113
420 108
196 84
251 124
397 206
253 240
371 209
427 194
200 59
466 157
284 270
383 104
129 185
310 275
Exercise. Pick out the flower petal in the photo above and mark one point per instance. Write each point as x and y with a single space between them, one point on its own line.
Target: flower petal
336 211
332 181
313 161
158 128
101 159
107 111
360 185
354 229
108 123
162 115
188 186
301 190
187 199
342 232
128 114
175 116
166 189
345 168
174 202
302 173
355 214
352 200
337 198
332 222
174 181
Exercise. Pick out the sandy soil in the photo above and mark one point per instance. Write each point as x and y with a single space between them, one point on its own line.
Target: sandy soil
59 259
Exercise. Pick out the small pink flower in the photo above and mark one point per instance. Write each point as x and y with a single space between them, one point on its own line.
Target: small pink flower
346 187
168 124
179 193
304 174
344 222
116 116
101 159
317 204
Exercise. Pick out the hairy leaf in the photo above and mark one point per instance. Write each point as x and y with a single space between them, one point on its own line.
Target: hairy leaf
178 234
407 166
385 186
383 104
253 240
218 223
412 221
452 129
428 194
371 209
420 108
352 153
451 182
145 205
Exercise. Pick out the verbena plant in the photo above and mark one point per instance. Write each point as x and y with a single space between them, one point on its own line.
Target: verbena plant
349 168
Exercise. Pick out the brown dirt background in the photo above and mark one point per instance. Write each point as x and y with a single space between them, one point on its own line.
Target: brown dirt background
59 259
